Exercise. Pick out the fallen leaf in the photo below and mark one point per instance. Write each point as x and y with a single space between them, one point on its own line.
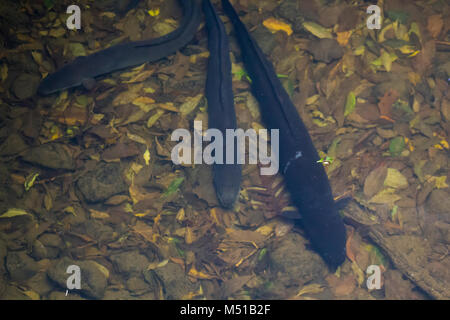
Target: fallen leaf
276 25
434 25
317 30
13 212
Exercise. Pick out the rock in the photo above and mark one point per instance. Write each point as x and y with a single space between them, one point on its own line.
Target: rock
94 277
39 251
49 245
294 263
50 155
439 203
59 295
25 85
102 183
20 266
40 284
3 252
176 283
130 263
97 230
265 39
13 293
12 145
325 50
289 10
137 286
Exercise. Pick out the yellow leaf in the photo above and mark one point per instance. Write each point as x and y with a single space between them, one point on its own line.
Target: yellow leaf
144 103
265 230
140 76
414 54
444 143
407 49
317 30
359 273
29 181
4 72
108 14
48 202
98 214
440 182
359 50
414 77
57 33
181 215
32 295
152 120
70 210
199 274
168 106
386 61
157 264
343 37
37 56
190 104
102 269
153 12
310 288
276 25
136 138
189 236
383 31
147 157
13 212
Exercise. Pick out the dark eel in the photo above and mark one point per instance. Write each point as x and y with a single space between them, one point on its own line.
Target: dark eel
221 113
84 69
305 178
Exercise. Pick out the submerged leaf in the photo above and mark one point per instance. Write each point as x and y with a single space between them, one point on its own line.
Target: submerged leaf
350 103
13 212
276 25
173 187
317 30
396 146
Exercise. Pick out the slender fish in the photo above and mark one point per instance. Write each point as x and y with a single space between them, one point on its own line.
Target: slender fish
221 113
84 69
305 177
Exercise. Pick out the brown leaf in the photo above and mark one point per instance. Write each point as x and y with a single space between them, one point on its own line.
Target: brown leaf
374 181
342 286
144 230
423 60
120 150
434 25
385 104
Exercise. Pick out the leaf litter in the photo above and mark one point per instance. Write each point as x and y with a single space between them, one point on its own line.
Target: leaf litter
379 110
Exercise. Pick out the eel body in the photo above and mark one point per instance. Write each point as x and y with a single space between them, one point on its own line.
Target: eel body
84 69
305 177
221 113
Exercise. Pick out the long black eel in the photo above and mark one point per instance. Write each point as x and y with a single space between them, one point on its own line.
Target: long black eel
221 113
305 177
83 69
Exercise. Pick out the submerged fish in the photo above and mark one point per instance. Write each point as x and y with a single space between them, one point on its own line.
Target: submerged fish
305 177
221 113
84 69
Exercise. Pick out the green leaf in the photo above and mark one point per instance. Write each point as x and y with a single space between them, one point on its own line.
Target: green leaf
350 103
49 4
396 146
173 187
401 16
29 181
